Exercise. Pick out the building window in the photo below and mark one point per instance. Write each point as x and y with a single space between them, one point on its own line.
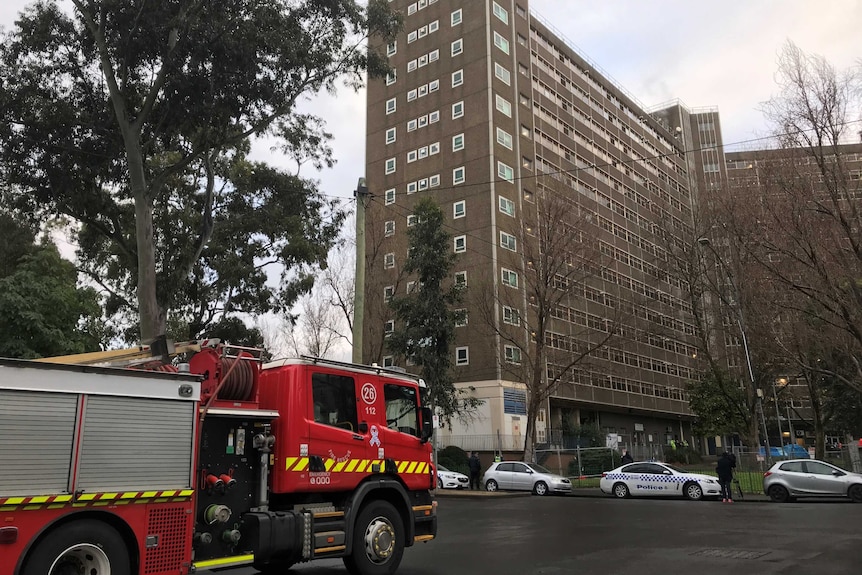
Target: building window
388 361
433 55
511 316
457 110
512 354
388 292
504 138
509 278
411 95
507 206
460 317
460 244
411 188
521 40
390 166
524 100
411 287
455 17
389 228
411 37
507 241
390 77
423 121
411 220
411 125
526 72
505 172
462 356
522 12
501 13
390 135
412 156
434 149
392 48
389 261
525 131
433 26
434 85
503 105
459 209
461 279
411 65
457 46
390 106
503 74
389 196
389 327
527 163
457 142
457 78
423 90
501 43
458 175
434 116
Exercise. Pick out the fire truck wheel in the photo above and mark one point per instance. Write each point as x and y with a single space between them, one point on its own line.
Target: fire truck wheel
378 541
85 546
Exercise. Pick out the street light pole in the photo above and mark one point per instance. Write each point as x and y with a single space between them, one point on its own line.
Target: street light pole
740 321
777 416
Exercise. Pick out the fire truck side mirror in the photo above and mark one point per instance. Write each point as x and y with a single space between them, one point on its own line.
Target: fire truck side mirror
427 425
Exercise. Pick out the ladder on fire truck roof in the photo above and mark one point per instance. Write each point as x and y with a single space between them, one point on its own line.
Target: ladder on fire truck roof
160 348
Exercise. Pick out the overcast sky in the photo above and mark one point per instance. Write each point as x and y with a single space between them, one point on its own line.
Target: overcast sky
705 53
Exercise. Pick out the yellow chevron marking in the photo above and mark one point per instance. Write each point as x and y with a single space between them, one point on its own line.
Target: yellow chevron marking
302 465
108 495
87 497
149 494
129 495
40 499
101 503
352 465
288 462
14 501
402 466
328 464
339 466
412 467
62 498
423 468
52 506
7 508
32 507
187 492
169 493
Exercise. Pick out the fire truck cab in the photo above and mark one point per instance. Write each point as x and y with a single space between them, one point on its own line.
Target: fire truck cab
221 462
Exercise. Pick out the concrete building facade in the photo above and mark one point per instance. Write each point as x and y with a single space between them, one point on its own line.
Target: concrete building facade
494 114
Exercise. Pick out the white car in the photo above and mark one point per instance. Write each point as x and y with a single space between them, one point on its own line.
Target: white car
447 479
646 478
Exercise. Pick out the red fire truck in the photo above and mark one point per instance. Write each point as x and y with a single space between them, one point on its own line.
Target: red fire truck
163 469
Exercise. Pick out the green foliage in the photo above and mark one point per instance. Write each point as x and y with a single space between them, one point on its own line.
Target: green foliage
685 454
42 311
155 124
594 462
719 402
425 326
454 458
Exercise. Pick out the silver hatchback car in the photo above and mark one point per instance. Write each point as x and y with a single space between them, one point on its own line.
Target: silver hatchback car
519 476
787 480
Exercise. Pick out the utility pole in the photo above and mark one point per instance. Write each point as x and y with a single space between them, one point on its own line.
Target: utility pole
361 195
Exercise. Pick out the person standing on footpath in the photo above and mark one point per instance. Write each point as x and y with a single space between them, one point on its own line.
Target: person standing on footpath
724 469
475 470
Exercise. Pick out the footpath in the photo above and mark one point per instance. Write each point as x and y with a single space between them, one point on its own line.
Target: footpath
593 492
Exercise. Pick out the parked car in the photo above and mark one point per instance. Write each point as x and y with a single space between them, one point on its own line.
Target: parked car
518 476
646 478
787 480
448 479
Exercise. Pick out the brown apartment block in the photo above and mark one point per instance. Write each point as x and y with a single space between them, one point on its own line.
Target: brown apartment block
489 111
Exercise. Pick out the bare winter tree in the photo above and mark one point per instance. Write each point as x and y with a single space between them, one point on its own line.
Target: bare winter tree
545 329
806 241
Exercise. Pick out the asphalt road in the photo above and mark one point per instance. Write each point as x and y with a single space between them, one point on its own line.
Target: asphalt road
586 535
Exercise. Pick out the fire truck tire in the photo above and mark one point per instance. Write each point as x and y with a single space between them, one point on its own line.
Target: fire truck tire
378 541
86 546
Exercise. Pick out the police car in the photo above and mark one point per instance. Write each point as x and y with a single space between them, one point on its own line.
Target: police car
645 478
